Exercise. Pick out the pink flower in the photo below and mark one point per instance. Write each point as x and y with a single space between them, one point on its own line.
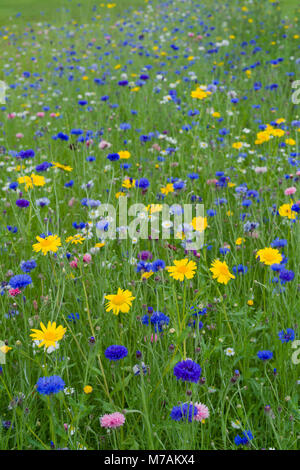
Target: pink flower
213 181
202 412
104 144
11 115
74 263
112 421
14 292
53 115
87 258
290 191
19 135
153 338
260 169
40 114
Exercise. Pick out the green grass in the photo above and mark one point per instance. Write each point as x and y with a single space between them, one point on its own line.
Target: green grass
56 10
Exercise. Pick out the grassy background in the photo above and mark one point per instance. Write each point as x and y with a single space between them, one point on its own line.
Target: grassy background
40 10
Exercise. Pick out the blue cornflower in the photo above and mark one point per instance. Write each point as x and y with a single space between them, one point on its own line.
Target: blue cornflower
22 203
240 269
224 251
158 265
28 266
43 166
115 352
42 202
144 267
158 319
48 385
185 411
245 439
73 317
211 212
188 371
265 355
277 243
26 154
288 336
19 281
277 267
113 157
142 183
286 276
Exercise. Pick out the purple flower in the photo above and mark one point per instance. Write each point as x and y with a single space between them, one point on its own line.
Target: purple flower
188 371
22 203
185 411
286 276
115 352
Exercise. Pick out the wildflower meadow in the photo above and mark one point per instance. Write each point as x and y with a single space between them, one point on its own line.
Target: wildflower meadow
149 225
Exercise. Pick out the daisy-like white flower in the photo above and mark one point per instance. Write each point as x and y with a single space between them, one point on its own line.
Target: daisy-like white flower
229 352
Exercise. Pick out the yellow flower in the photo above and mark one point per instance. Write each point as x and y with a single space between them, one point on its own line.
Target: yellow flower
269 256
120 194
239 241
38 180
75 239
25 180
290 141
62 167
4 349
250 302
153 208
277 132
124 154
120 302
286 211
88 389
48 336
221 271
128 183
199 93
237 145
169 188
147 275
181 269
50 243
99 245
199 223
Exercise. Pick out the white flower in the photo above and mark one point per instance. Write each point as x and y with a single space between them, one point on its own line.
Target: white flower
235 424
229 352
